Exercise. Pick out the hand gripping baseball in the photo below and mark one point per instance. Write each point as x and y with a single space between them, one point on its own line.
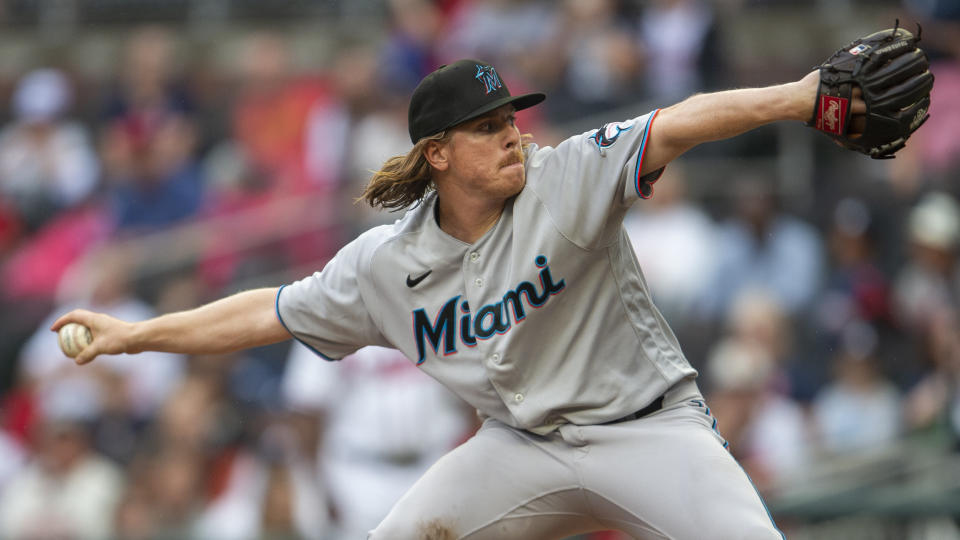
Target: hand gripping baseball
110 335
892 74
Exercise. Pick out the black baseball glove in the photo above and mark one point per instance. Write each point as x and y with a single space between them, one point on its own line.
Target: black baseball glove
895 80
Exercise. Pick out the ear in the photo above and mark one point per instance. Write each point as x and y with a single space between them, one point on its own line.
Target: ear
437 155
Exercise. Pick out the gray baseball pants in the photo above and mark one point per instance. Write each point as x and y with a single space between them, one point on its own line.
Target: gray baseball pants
667 475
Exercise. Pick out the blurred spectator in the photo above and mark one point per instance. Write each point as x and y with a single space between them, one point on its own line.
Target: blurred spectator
148 87
764 248
857 291
757 318
271 493
198 415
176 480
152 179
122 392
680 48
385 130
749 384
502 32
383 424
591 59
273 110
675 243
13 455
766 430
67 490
179 466
857 288
134 518
930 280
357 89
409 52
149 140
934 402
47 163
367 108
286 158
859 409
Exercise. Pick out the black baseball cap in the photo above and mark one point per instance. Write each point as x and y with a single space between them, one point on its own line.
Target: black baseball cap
456 93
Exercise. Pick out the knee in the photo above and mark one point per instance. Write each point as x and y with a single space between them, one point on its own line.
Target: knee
759 532
401 528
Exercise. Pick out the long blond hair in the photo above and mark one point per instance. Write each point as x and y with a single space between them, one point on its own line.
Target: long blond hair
403 180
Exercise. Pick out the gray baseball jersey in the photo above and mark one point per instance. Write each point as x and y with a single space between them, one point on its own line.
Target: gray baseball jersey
546 320
544 324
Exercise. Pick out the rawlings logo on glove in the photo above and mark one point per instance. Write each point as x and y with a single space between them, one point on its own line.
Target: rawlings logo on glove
894 77
832 114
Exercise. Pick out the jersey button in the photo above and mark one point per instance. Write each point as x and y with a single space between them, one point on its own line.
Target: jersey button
474 256
478 282
518 397
495 358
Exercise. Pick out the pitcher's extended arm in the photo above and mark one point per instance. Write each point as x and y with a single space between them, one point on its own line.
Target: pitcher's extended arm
712 117
243 320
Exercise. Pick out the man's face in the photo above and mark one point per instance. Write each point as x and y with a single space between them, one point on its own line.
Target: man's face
485 155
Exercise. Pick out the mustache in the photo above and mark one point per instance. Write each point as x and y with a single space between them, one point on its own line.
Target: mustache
514 157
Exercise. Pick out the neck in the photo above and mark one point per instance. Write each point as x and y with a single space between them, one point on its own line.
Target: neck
467 221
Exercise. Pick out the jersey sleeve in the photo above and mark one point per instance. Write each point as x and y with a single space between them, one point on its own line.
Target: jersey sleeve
328 311
590 180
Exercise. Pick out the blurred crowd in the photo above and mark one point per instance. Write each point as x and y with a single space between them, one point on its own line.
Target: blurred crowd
824 319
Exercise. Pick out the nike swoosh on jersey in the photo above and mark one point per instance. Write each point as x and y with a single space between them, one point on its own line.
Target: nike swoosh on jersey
412 282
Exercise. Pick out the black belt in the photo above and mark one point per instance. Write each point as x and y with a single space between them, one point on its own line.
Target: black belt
653 407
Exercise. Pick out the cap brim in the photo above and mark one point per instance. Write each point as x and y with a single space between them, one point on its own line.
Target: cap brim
519 103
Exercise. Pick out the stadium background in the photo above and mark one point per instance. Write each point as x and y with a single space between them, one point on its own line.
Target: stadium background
156 155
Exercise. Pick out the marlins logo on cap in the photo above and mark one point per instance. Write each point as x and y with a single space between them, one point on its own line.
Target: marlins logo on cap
488 76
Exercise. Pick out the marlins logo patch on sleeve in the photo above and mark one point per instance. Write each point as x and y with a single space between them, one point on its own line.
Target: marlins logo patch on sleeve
608 134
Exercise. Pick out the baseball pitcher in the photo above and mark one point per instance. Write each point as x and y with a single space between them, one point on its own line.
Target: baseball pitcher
512 282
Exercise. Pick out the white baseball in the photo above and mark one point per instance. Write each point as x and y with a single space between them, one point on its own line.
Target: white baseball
74 338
